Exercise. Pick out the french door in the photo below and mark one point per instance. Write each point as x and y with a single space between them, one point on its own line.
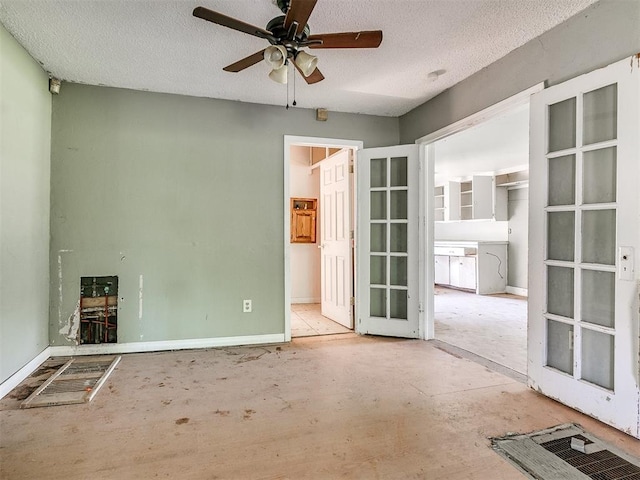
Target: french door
387 241
584 240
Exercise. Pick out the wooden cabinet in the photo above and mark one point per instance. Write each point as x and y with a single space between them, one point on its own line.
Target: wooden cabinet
477 266
303 220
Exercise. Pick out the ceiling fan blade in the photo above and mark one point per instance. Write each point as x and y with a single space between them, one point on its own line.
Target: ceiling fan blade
245 62
234 24
370 39
299 11
315 76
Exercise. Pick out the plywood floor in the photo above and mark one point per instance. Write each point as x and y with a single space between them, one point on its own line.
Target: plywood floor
331 407
491 326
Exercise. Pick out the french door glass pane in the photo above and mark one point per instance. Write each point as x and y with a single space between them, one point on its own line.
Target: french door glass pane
378 205
560 346
378 269
378 237
562 180
398 270
599 177
398 301
600 115
399 172
562 125
598 297
597 358
378 302
399 237
599 236
378 172
560 291
398 204
561 231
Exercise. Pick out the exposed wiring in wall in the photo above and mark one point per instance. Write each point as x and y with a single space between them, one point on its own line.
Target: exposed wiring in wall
499 263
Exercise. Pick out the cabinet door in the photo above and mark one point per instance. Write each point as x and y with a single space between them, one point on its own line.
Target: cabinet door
442 269
454 271
482 197
468 272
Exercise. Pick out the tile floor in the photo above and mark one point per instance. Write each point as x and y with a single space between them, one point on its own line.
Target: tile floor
306 321
330 407
492 326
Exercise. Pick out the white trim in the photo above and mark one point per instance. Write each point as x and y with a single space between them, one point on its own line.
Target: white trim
523 292
306 300
483 115
14 380
137 347
289 141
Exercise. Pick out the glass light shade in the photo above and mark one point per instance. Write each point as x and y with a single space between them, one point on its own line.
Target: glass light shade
306 63
279 74
275 56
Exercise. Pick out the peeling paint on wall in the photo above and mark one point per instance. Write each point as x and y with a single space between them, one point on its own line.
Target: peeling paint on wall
70 328
60 321
140 284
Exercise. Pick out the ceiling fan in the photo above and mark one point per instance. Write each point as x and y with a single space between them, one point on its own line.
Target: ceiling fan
288 34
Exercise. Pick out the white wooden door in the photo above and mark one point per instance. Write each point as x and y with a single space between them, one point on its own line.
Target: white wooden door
387 241
335 238
584 242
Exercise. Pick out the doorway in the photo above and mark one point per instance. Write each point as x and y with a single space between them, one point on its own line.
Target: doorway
479 208
319 278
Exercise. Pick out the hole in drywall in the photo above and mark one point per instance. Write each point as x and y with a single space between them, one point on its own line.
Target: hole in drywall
98 310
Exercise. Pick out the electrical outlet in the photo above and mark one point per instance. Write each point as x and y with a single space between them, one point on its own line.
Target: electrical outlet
246 306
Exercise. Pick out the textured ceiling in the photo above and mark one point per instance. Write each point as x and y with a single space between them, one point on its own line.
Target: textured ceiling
158 45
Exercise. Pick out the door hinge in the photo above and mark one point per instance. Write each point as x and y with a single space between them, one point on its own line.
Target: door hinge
420 307
352 301
351 234
351 168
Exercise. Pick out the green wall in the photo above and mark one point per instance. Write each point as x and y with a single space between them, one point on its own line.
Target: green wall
188 193
25 134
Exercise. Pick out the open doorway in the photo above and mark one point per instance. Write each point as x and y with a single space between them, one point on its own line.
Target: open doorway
481 240
319 264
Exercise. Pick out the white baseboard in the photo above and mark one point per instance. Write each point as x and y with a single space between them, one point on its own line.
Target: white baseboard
137 347
523 292
305 300
14 380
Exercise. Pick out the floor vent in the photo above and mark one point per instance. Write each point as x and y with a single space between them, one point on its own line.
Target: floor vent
598 465
77 381
567 452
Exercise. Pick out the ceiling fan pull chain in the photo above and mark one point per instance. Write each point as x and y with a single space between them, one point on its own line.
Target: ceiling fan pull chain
287 64
294 89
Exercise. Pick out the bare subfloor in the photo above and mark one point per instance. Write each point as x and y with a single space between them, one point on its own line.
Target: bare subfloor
492 326
321 407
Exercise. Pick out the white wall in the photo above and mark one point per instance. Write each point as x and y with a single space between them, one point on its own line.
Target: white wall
472 230
305 258
518 237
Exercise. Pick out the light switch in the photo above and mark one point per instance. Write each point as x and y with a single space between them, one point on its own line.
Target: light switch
625 263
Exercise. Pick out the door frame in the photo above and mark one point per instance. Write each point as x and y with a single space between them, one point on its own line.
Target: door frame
290 141
427 189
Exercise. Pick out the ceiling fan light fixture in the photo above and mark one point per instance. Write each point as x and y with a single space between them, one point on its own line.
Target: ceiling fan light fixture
279 74
306 63
275 56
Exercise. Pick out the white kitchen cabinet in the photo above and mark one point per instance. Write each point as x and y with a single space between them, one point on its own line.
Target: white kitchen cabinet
441 272
474 199
477 266
447 202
